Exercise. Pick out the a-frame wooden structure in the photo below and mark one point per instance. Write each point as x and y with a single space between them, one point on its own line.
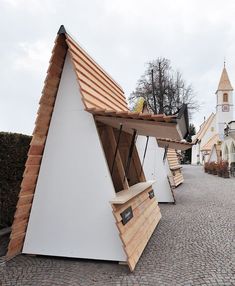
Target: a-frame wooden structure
83 166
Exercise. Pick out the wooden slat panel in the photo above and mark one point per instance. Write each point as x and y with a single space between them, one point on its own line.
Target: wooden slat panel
136 233
128 235
92 79
27 191
118 98
33 160
38 139
89 68
132 261
24 200
45 109
40 130
107 103
76 50
22 210
31 170
20 225
136 214
99 93
173 164
143 229
21 217
50 101
36 150
17 232
93 100
15 244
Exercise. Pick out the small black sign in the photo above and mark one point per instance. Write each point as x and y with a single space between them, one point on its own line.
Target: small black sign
151 194
126 215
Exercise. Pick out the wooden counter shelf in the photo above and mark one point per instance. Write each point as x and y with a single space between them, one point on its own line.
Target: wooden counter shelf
125 195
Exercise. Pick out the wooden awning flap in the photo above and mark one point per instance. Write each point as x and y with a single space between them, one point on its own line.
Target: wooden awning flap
173 144
152 125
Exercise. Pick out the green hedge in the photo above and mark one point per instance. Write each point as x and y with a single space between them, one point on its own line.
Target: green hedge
13 155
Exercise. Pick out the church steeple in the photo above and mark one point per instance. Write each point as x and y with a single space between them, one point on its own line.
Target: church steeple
224 83
224 105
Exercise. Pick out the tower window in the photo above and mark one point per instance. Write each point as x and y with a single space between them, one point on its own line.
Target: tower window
225 97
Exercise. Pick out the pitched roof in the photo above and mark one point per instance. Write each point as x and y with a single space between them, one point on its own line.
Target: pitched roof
213 140
224 83
203 128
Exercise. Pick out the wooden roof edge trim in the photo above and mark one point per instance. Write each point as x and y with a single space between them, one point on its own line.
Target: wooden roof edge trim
137 115
12 251
75 44
174 141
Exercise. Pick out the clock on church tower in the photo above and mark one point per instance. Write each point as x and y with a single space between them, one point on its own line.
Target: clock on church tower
225 107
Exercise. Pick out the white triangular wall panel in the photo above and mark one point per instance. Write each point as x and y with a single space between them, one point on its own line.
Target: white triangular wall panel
155 169
71 215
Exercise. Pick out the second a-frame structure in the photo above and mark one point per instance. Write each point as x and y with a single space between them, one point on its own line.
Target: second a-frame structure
84 193
160 162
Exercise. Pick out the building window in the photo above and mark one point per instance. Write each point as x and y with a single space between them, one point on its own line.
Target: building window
225 97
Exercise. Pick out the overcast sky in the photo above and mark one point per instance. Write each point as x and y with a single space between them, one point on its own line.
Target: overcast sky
122 36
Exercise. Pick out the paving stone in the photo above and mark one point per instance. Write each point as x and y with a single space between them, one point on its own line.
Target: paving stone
192 245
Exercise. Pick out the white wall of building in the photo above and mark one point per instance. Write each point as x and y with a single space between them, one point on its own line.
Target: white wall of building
229 154
210 132
155 169
197 156
71 215
223 117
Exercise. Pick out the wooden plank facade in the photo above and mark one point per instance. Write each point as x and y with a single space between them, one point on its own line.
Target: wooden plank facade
177 177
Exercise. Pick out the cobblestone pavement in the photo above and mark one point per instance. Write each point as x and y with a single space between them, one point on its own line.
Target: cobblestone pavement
193 245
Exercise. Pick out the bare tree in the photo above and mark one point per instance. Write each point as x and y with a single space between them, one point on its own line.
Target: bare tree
170 89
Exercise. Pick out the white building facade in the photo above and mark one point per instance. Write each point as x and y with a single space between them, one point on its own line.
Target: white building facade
211 131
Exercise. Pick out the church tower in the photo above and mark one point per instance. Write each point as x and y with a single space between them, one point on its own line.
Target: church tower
224 105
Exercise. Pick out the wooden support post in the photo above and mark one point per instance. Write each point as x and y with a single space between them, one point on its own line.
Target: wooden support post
119 164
